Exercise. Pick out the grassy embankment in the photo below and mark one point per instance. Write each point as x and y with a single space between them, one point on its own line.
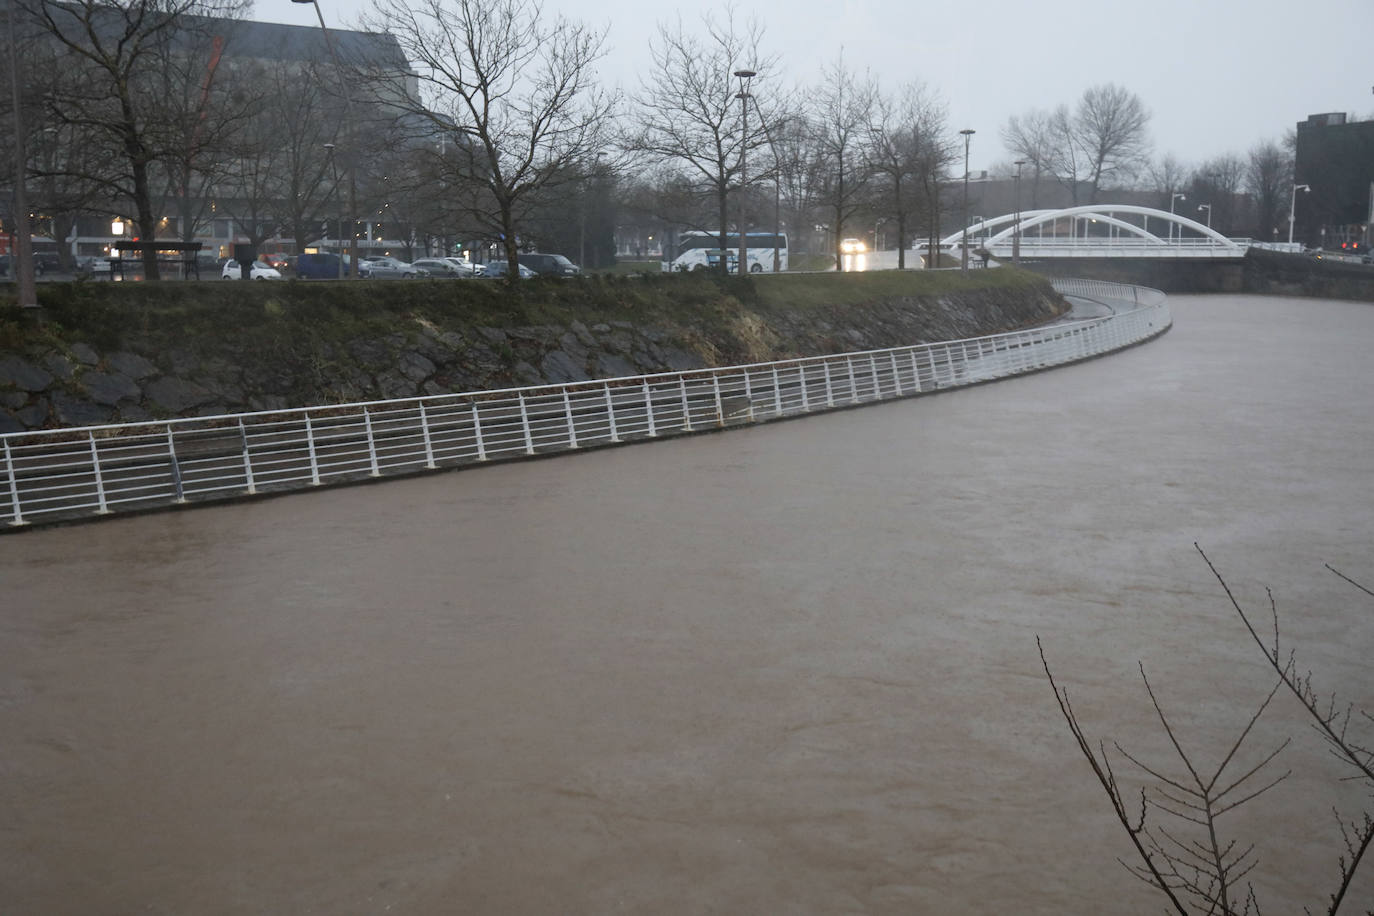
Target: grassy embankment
264 317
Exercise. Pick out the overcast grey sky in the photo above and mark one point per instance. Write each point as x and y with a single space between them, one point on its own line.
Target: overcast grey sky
1216 76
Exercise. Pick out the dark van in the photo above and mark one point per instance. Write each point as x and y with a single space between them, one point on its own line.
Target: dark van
549 265
322 266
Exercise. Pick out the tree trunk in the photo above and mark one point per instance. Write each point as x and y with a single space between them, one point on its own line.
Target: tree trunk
724 215
512 250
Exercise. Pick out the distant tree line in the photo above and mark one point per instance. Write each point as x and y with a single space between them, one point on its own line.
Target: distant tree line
485 123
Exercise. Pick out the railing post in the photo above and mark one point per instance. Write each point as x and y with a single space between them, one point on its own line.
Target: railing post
247 462
477 433
896 375
720 408
801 378
99 478
610 411
649 410
829 390
429 442
686 410
873 367
748 396
18 514
371 444
176 468
916 372
853 385
568 417
525 425
310 444
777 392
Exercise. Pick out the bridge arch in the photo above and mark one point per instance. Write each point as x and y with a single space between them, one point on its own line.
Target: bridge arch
1107 213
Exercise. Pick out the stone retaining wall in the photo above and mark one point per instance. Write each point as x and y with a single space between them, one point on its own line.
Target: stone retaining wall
71 383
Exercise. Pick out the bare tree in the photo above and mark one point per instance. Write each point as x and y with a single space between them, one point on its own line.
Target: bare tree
1111 129
1174 823
687 115
1104 138
1035 138
1268 178
909 143
506 101
841 111
113 91
1217 183
1167 177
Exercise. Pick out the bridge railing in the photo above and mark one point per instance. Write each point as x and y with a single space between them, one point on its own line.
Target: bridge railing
71 473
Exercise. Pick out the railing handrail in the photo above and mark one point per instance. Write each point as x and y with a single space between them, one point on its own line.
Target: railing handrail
62 472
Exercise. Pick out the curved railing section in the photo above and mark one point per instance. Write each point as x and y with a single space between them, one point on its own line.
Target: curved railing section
64 474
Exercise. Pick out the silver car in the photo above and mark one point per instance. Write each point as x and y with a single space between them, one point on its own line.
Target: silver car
441 268
388 267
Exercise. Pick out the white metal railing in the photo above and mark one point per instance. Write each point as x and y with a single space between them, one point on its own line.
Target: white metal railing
70 473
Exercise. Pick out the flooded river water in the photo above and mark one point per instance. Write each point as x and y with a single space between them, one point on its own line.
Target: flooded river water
790 669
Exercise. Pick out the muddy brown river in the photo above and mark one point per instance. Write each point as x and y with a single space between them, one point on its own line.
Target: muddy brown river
789 669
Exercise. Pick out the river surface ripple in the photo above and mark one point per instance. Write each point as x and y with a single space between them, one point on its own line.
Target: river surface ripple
790 669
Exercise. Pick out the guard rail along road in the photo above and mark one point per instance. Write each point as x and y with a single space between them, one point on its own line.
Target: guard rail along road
64 474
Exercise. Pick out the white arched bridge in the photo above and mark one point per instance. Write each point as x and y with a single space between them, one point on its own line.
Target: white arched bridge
1095 231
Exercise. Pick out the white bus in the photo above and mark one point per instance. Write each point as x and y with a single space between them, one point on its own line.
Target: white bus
697 250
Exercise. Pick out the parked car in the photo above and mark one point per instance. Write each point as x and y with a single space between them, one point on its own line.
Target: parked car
86 265
258 271
322 265
498 269
467 268
377 267
441 268
45 262
549 265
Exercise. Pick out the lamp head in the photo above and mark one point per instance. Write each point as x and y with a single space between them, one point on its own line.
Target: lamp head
742 74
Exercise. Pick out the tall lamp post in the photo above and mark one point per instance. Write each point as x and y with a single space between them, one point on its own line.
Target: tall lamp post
1208 208
1016 229
743 95
1293 206
967 134
21 239
351 165
1172 200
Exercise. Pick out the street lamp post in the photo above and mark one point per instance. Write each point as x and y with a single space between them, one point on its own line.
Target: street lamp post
21 239
968 135
1177 197
1293 206
1208 208
1016 228
351 167
743 95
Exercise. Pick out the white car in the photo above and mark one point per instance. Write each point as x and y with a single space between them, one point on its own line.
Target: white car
467 268
259 271
852 246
